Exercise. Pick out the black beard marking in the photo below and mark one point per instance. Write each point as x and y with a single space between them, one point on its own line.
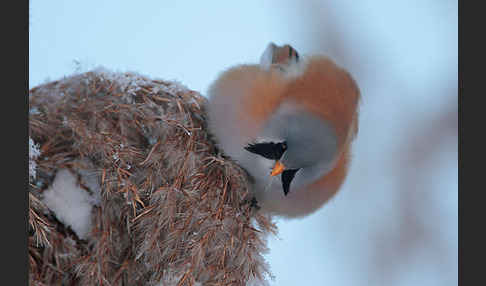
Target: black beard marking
269 150
287 177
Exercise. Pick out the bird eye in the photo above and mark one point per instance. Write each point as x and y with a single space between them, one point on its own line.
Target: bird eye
293 54
269 150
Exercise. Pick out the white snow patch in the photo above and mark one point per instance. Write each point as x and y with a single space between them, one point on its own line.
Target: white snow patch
70 203
34 152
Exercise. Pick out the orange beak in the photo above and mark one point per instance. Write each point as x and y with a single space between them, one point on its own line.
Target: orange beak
277 169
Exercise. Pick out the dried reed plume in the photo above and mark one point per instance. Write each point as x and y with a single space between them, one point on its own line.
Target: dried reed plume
171 209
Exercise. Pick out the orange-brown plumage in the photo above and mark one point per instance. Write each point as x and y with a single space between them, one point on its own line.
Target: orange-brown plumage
331 182
333 94
311 105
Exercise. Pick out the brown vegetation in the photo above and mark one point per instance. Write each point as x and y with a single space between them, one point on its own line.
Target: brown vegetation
171 207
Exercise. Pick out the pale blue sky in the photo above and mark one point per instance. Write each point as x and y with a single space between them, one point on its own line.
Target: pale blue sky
403 55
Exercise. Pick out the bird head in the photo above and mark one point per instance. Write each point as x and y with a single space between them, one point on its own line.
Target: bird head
296 143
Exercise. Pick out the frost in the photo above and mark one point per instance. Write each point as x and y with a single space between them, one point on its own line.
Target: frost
172 279
71 204
173 87
34 152
155 89
131 82
33 111
152 140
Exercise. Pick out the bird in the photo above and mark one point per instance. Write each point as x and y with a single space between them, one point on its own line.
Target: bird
289 121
